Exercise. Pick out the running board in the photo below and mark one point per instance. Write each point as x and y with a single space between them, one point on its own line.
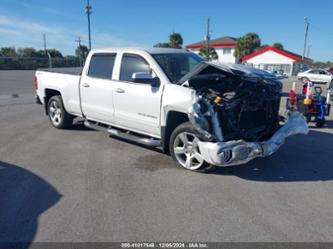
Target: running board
124 135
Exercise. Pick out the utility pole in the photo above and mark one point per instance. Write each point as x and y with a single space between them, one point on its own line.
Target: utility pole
308 52
305 38
78 40
47 53
88 12
208 39
44 39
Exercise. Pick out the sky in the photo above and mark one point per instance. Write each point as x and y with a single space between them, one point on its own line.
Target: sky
146 22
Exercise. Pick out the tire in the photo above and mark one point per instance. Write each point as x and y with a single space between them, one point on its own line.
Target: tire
58 116
320 123
185 151
308 118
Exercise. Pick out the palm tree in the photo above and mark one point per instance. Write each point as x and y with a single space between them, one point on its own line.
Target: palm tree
176 40
212 55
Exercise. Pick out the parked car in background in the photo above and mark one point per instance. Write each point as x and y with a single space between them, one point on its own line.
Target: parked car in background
316 76
278 75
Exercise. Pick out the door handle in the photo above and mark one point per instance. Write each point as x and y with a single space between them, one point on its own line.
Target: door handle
85 85
120 90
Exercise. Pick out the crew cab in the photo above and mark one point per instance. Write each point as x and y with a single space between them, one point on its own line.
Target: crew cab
204 114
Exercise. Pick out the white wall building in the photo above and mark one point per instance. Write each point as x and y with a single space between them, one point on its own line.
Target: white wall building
273 59
224 47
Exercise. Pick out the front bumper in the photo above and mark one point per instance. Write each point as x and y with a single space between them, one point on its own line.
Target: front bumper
240 152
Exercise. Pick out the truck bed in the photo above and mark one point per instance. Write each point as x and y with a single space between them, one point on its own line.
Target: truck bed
62 70
63 80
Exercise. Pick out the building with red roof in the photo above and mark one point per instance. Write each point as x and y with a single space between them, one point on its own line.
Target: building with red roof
274 59
224 47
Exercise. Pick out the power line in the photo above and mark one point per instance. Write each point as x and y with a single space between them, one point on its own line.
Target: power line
321 30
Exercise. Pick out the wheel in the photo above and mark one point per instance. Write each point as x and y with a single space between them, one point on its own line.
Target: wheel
184 148
308 118
57 114
320 123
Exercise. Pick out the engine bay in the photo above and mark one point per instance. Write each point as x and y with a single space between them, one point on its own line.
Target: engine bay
231 105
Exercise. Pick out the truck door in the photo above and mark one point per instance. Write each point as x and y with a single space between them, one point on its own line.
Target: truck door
96 88
137 105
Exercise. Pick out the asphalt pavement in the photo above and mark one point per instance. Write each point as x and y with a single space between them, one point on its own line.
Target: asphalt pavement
81 185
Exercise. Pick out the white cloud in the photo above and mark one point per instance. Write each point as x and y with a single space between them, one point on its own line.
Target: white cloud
47 10
19 32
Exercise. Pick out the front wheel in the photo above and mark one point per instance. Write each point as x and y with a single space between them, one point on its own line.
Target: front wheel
58 116
184 148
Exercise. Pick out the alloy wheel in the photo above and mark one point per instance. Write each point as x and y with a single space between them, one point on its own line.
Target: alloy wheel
55 113
186 150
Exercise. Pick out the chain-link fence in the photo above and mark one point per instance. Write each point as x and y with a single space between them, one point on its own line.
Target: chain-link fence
32 63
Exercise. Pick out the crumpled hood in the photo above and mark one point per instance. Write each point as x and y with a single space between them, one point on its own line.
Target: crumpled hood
229 69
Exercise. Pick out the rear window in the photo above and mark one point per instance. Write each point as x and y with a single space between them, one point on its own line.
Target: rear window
101 66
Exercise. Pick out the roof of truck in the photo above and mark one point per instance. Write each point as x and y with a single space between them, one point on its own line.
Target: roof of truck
138 49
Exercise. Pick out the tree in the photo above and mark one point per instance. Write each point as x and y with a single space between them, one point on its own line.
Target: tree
162 45
8 52
30 52
27 52
81 51
322 64
278 45
212 55
54 53
176 40
41 53
246 45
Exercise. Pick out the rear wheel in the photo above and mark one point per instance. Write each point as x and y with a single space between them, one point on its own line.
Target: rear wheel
184 148
58 116
320 123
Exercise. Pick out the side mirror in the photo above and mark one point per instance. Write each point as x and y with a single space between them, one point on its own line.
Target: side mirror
146 78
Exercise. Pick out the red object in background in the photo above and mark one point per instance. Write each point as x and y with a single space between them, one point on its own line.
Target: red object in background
292 97
305 88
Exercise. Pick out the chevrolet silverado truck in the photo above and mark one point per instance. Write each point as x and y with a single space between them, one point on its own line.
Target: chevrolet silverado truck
203 114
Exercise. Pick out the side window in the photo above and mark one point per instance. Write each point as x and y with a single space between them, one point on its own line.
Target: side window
101 66
132 64
314 71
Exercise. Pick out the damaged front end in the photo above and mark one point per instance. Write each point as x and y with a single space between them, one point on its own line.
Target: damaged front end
236 110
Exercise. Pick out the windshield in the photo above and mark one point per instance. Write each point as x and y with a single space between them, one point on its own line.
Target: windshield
175 66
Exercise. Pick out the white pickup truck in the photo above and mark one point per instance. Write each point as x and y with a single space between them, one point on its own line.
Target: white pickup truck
202 113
